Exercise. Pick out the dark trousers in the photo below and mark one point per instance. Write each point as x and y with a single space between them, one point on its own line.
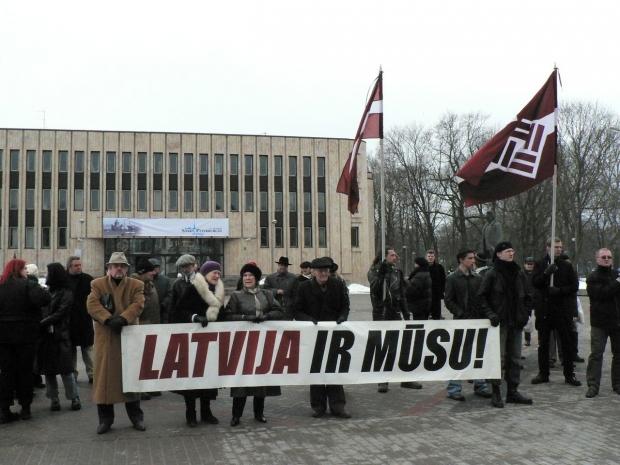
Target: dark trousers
16 362
563 327
598 341
510 350
239 405
321 394
436 308
134 412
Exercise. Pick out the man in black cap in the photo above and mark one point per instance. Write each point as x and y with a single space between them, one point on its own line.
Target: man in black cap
282 283
323 298
163 286
505 302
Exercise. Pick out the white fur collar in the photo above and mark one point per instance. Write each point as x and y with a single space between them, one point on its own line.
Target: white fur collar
215 301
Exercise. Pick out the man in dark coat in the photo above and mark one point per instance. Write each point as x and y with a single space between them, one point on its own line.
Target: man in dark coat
323 298
555 307
81 326
504 301
163 286
604 292
438 278
282 284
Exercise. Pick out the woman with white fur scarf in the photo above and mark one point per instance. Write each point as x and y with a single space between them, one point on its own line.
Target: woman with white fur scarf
198 298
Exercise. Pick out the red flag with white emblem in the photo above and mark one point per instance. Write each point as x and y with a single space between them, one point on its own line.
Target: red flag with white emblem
519 156
371 127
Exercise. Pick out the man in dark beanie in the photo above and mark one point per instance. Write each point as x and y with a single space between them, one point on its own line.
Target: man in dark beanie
505 301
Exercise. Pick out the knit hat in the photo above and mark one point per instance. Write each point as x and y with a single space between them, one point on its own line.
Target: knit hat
186 259
210 266
251 268
144 266
504 245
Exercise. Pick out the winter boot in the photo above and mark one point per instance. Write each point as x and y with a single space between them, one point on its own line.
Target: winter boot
206 416
496 396
190 412
515 397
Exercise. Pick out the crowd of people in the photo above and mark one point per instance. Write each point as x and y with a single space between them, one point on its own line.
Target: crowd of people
41 327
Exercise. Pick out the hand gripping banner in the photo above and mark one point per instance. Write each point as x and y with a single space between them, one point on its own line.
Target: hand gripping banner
187 356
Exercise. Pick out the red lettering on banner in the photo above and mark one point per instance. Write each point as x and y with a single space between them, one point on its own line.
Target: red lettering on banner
229 357
148 354
176 357
250 352
203 340
288 353
270 342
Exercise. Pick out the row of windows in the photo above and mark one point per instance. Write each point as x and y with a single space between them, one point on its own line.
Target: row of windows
30 239
158 163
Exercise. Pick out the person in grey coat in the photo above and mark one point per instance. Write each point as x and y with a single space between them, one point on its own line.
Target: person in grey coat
163 286
282 284
257 305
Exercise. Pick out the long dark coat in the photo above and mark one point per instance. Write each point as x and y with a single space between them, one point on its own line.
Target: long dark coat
604 293
82 330
314 303
20 310
55 355
418 294
565 280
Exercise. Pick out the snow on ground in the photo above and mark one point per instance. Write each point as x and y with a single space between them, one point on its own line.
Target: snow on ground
358 289
582 284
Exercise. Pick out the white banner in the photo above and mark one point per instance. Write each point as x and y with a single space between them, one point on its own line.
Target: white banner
165 227
187 356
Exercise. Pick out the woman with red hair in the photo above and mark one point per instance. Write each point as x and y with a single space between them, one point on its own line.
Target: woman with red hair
20 312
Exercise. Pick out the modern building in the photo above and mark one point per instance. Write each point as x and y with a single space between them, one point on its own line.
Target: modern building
232 198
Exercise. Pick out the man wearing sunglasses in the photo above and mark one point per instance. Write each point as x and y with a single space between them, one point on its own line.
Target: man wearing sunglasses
604 292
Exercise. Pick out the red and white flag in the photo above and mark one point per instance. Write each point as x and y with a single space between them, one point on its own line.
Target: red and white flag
371 127
519 156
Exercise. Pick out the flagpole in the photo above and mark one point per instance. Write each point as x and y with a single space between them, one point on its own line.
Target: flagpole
382 197
554 183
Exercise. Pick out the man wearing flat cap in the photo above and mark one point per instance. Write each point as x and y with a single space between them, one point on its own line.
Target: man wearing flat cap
115 300
282 284
323 298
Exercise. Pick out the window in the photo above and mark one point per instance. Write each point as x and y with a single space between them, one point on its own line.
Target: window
292 166
13 239
158 162
62 238
29 199
307 237
277 165
249 202
13 199
249 165
321 201
126 162
29 242
63 161
204 163
110 162
46 199
46 161
293 236
263 168
78 161
188 163
110 200
322 237
45 238
142 200
292 201
157 201
125 200
219 201
78 199
307 167
264 237
14 160
173 201
355 236
307 202
31 160
219 164
62 199
264 202
234 201
141 162
204 201
95 162
234 165
320 167
278 237
188 201
173 163
94 199
278 201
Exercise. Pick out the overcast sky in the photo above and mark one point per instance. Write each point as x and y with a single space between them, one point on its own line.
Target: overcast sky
295 68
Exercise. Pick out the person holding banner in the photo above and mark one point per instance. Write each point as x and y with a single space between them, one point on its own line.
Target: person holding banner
505 301
324 298
197 298
257 305
115 300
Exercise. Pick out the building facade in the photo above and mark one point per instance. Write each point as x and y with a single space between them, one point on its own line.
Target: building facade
278 195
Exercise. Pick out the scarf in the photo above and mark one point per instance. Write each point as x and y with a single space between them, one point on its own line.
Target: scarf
257 302
215 300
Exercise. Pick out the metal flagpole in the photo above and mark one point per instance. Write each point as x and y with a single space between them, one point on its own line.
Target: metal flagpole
554 183
382 196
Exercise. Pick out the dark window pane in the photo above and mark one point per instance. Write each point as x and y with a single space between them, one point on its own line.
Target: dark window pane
110 200
292 201
279 237
14 160
188 201
204 163
292 166
263 169
126 200
45 238
277 165
264 237
204 201
173 201
320 167
293 237
62 199
46 199
157 201
307 202
142 200
95 162
234 201
321 201
264 202
141 162
110 162
63 161
29 242
13 238
307 237
78 199
127 162
219 201
307 167
322 237
173 163
234 165
13 199
249 165
158 162
62 238
78 161
219 164
249 202
278 201
46 161
188 163
94 199
31 160
355 236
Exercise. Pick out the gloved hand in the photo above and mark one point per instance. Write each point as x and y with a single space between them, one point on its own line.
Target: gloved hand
552 268
314 321
384 268
341 319
494 319
116 323
258 319
203 320
555 292
407 316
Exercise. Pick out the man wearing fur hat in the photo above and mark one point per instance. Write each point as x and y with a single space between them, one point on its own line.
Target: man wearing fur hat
505 301
115 300
197 298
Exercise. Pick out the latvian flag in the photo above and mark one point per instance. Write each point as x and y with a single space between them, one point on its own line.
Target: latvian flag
371 127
